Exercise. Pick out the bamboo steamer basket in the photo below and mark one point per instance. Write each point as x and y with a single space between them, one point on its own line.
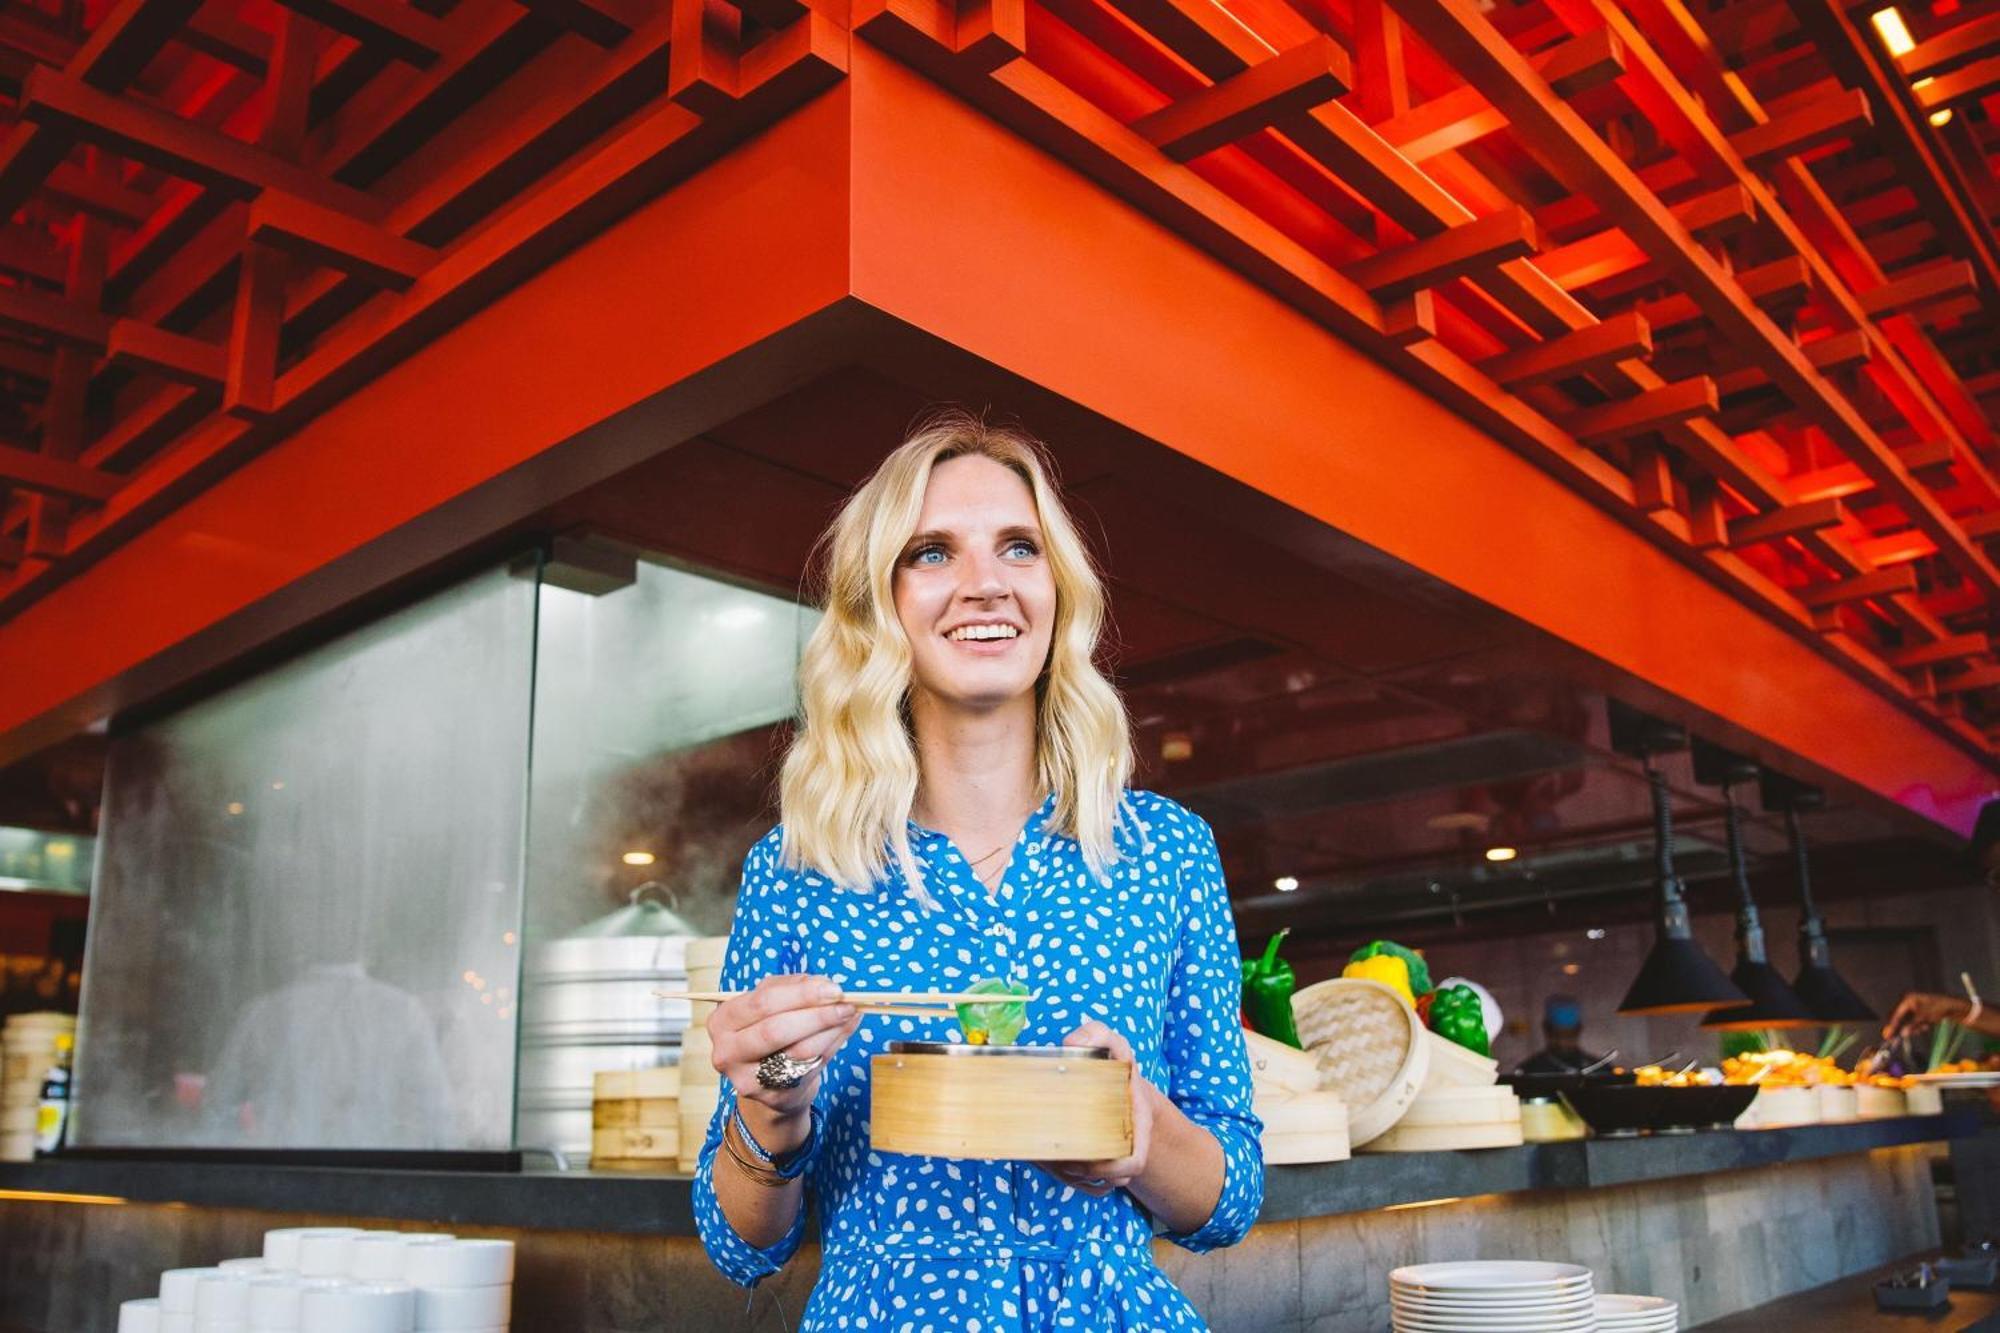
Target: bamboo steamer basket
695 1115
1001 1103
1924 1099
1303 1127
1461 1106
17 1147
1453 1066
697 1067
1277 1067
1838 1104
1448 1118
1371 1048
1448 1138
636 1148
1781 1107
1876 1103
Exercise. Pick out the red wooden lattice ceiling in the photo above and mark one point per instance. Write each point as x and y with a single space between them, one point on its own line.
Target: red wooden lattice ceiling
1729 268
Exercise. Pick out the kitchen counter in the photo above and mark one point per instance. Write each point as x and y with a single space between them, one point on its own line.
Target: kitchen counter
663 1205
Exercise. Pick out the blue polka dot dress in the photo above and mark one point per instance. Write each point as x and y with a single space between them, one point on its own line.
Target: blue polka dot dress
920 1243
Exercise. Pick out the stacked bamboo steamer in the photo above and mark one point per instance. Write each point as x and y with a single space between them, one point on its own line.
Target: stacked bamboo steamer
1370 1049
635 1118
27 1051
1303 1121
700 1086
1461 1105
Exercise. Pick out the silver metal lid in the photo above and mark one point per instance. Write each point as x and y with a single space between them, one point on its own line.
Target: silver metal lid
974 1052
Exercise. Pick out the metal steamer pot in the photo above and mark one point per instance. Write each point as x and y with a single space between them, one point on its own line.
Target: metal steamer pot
587 1006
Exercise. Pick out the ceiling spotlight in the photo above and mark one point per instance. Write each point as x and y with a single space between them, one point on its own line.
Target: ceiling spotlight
1894 32
1941 118
639 858
1176 746
1594 933
1286 884
1501 853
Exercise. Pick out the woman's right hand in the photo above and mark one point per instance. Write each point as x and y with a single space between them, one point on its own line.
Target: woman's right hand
802 1016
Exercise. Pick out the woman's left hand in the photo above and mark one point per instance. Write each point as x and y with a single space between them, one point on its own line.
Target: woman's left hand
1100 1178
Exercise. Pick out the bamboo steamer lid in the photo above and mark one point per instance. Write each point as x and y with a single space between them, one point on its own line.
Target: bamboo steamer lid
1000 1103
1303 1127
1370 1047
1275 1065
1454 1066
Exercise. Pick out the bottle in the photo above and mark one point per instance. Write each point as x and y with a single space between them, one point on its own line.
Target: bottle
52 1117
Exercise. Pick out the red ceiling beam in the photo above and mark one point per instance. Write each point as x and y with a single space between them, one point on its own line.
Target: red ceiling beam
391 26
180 147
54 476
336 240
1791 521
1469 249
1292 81
1584 351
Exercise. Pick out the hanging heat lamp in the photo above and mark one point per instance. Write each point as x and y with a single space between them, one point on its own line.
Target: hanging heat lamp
1773 1003
1677 977
1825 992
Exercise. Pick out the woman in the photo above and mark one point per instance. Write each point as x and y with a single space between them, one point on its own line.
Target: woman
954 807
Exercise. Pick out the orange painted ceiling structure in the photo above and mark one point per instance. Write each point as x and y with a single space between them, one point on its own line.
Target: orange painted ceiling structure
1668 329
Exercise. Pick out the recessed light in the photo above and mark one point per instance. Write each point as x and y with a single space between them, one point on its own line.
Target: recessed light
1594 933
1286 884
639 858
1894 32
1501 853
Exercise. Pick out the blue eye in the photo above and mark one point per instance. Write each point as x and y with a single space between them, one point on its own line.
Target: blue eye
922 555
1023 549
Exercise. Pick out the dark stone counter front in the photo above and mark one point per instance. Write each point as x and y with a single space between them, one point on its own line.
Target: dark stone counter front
663 1206
1719 1221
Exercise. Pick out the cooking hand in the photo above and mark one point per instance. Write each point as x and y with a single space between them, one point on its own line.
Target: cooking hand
1919 1010
803 1016
1100 1178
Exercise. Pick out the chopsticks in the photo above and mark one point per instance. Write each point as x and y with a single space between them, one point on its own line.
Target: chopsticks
905 1004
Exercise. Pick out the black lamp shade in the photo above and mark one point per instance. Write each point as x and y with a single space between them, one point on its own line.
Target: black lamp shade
1830 998
1678 978
1773 1003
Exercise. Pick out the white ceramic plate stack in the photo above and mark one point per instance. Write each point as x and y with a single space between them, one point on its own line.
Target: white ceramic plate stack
1492 1296
1637 1314
463 1286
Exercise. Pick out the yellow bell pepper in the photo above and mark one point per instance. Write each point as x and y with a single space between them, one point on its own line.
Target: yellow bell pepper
1388 969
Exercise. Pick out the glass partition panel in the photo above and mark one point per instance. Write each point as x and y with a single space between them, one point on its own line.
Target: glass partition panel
659 711
305 932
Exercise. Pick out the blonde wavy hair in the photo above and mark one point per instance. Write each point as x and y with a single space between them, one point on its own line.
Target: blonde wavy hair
850 776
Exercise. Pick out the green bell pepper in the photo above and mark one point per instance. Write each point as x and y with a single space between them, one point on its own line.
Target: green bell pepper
1458 1016
1420 971
1267 993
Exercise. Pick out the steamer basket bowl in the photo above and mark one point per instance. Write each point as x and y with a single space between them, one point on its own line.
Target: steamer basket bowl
1001 1103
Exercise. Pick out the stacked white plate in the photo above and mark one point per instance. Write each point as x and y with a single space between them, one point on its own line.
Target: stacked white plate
1492 1296
1637 1314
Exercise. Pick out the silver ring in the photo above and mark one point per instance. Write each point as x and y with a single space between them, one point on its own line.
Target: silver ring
779 1071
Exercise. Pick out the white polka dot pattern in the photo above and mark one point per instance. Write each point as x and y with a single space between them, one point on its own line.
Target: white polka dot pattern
920 1243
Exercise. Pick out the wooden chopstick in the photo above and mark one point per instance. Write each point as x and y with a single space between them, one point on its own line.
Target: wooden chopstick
865 999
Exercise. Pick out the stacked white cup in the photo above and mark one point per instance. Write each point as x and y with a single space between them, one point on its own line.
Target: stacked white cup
276 1300
358 1307
177 1286
222 1301
463 1286
141 1316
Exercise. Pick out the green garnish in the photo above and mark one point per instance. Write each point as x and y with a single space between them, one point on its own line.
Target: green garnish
997 1023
